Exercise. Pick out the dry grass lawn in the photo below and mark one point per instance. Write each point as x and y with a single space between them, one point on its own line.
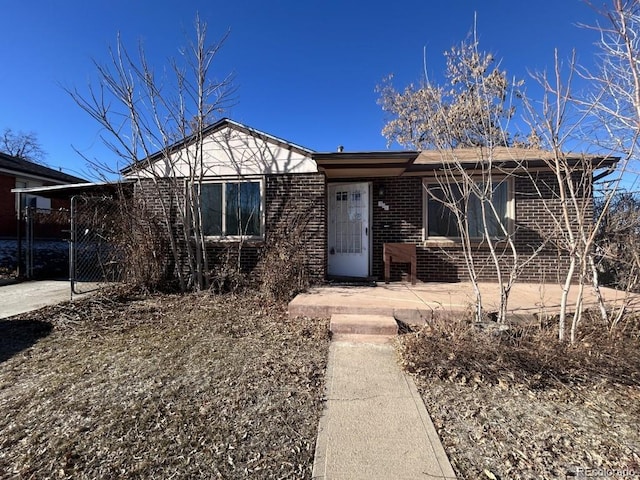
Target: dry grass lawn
518 405
193 386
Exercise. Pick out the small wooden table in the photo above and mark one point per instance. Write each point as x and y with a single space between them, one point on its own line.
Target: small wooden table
399 253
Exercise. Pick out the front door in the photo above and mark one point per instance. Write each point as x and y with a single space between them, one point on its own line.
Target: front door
348 230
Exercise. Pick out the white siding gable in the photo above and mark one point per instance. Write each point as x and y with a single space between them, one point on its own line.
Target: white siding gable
231 152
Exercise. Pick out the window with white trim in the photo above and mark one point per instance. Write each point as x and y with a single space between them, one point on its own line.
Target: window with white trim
441 221
231 208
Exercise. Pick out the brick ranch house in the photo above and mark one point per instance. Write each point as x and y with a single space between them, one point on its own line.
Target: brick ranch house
352 203
19 173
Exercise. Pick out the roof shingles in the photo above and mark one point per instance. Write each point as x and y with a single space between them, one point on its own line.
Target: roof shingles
20 166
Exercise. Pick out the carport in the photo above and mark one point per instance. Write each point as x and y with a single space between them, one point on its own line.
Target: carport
93 207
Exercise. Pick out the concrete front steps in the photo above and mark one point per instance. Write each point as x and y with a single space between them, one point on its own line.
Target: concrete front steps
363 328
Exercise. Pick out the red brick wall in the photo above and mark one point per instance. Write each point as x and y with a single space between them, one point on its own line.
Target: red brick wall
8 203
8 214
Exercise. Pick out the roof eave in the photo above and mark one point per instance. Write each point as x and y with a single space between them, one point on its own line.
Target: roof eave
364 164
596 163
69 189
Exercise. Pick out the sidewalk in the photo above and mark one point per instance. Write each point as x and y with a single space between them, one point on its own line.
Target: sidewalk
26 296
375 424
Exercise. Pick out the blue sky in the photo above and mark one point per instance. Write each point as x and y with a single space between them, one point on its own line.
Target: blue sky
305 70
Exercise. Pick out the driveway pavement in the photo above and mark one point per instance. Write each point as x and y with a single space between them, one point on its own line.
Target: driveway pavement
26 296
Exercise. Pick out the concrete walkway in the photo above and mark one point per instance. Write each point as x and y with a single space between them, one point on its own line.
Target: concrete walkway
375 425
27 296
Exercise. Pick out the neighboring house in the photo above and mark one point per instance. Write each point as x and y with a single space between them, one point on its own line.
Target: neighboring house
353 203
18 173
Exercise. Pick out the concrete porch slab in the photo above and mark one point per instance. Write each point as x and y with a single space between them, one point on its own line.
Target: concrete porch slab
417 303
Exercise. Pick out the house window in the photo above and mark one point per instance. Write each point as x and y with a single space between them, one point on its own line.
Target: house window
441 221
231 209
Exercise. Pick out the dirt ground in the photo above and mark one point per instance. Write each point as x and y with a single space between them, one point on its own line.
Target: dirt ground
195 386
517 405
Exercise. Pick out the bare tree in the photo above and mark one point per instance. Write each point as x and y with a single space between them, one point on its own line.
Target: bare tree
617 98
23 145
563 117
467 111
616 104
424 118
471 110
144 115
619 242
607 116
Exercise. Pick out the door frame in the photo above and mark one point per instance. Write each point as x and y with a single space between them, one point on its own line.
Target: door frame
369 235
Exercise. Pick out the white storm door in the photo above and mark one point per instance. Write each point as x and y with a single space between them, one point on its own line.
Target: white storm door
348 230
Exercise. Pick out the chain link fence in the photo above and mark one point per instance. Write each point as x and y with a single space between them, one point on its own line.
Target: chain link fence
95 256
45 247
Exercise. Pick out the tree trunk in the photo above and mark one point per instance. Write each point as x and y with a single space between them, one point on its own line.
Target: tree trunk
595 283
562 322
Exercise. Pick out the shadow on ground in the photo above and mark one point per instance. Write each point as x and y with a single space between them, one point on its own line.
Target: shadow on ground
17 335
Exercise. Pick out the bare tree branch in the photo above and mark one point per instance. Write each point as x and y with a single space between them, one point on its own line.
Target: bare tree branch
143 115
23 145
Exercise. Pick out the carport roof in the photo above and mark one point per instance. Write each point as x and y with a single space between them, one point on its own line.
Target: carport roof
69 190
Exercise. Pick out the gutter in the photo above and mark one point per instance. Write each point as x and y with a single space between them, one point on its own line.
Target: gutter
601 175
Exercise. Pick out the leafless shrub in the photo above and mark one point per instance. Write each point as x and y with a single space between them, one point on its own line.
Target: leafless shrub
50 219
144 248
618 243
131 246
284 270
524 356
227 275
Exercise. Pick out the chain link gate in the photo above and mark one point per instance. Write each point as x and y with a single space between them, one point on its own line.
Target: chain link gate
44 247
95 257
